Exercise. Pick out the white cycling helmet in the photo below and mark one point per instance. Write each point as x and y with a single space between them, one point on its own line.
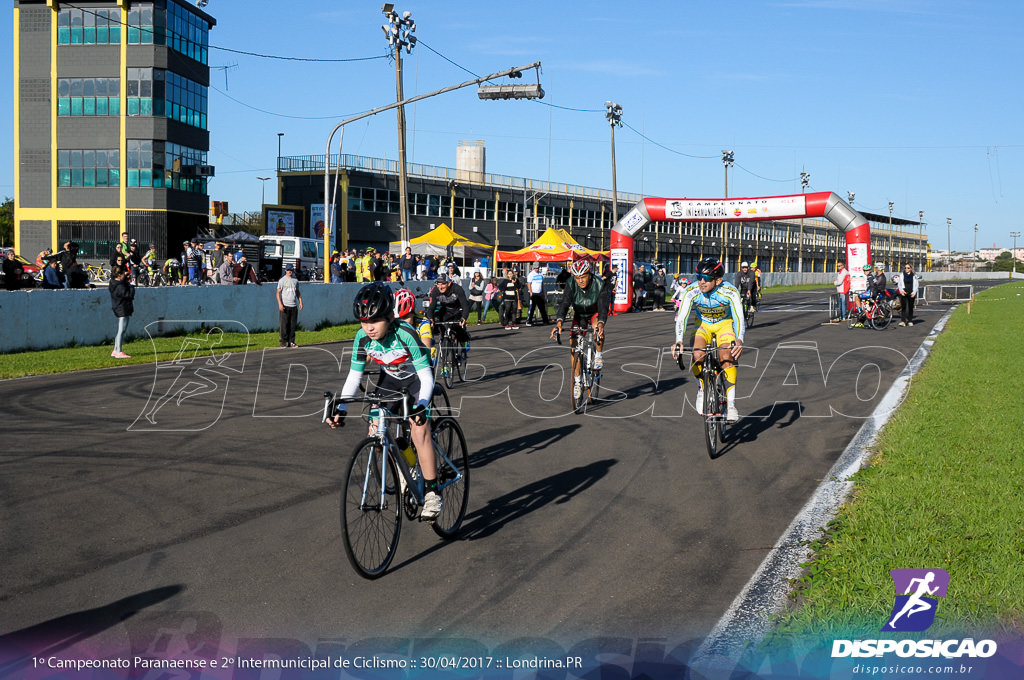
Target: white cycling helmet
579 268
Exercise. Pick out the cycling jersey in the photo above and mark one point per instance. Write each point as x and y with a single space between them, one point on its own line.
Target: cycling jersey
723 304
449 306
426 333
403 360
584 301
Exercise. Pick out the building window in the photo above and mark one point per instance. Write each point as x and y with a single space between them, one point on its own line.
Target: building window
88 168
88 26
158 92
174 26
158 164
88 96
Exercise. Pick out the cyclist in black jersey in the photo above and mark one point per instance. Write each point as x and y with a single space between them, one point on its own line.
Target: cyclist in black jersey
405 367
586 295
447 303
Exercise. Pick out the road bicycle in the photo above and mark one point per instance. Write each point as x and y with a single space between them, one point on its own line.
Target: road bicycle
714 410
451 355
97 273
877 315
748 311
383 481
586 379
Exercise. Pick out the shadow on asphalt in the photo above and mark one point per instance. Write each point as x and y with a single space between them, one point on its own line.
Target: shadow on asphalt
530 443
750 426
18 648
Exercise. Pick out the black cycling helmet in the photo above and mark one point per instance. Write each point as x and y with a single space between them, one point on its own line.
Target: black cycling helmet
373 301
711 265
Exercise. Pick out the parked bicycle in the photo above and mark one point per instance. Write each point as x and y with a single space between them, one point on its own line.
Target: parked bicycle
383 482
97 273
586 380
451 355
877 315
714 410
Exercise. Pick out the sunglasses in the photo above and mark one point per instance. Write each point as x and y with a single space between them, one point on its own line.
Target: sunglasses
705 277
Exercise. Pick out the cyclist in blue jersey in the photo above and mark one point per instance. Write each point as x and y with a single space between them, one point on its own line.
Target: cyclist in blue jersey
405 366
719 310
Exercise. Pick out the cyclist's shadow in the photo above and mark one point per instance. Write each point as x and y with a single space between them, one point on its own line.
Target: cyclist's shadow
530 443
781 414
558 488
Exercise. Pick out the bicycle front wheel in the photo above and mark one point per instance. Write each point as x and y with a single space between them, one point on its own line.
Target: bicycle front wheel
445 361
460 362
580 387
723 406
371 511
452 458
710 411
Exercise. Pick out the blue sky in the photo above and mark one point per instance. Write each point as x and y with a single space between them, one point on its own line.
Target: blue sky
919 102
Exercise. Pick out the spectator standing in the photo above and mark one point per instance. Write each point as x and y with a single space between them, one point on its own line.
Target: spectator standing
524 298
244 273
64 260
421 269
842 296
660 282
77 277
538 300
408 265
453 273
226 269
218 256
609 281
194 262
289 302
476 296
122 296
509 291
492 296
337 275
638 288
906 284
12 272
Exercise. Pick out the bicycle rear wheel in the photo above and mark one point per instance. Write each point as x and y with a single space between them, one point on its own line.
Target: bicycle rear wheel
371 511
881 316
449 440
460 362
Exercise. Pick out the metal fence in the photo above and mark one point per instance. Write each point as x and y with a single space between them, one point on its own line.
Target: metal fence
946 293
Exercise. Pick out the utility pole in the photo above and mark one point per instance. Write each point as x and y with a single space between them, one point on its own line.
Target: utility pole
891 260
613 112
399 33
920 231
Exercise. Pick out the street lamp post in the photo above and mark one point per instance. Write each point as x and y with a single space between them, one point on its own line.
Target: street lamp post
1013 253
279 136
728 159
920 231
399 33
613 112
263 191
949 248
891 262
805 179
506 92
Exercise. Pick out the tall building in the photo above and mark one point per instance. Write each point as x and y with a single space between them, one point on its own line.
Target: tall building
110 131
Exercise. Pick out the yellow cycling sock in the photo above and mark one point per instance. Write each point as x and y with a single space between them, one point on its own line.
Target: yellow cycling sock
697 369
730 382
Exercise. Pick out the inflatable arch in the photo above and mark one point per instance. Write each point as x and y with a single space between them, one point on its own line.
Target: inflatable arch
822 204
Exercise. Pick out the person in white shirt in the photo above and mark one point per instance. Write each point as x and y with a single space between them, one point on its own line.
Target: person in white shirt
535 280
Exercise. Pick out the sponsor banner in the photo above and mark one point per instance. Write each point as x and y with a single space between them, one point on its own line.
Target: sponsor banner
633 221
856 258
316 224
620 257
682 209
281 222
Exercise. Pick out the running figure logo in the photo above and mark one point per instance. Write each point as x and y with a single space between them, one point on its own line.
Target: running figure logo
914 611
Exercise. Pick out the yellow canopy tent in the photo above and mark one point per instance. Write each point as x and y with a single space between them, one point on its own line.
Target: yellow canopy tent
443 241
554 245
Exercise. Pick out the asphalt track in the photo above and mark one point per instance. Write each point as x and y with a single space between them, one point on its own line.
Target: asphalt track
202 495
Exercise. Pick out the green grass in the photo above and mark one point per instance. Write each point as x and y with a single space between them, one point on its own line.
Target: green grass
141 349
944 489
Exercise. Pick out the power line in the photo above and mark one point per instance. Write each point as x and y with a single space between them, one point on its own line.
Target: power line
284 115
659 144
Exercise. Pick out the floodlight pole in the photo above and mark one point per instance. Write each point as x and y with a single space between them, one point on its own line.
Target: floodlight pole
329 199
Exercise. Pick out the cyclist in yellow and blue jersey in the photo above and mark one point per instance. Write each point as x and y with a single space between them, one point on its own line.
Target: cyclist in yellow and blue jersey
405 310
719 310
405 367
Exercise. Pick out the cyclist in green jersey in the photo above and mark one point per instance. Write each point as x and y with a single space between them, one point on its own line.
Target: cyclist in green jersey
405 369
586 295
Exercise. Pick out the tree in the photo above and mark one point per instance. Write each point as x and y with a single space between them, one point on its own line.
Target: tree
7 222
